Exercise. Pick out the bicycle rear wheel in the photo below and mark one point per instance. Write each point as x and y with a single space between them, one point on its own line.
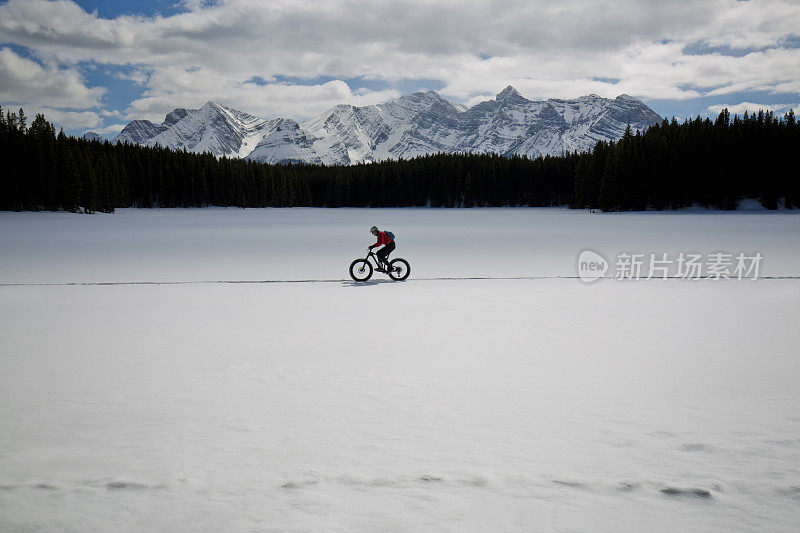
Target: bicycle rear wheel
399 269
360 270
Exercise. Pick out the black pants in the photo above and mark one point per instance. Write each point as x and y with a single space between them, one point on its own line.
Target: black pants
383 253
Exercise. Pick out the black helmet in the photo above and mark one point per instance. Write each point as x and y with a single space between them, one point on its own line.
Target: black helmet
373 228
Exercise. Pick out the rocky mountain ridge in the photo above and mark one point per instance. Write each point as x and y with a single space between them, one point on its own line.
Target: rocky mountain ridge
415 124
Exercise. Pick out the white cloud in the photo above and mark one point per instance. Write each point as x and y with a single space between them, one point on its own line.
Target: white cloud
474 48
137 76
751 24
193 89
750 107
69 120
23 81
112 129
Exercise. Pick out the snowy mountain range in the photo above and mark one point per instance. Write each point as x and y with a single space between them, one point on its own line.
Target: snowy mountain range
416 124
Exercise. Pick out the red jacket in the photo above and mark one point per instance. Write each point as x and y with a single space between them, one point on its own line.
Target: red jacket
382 239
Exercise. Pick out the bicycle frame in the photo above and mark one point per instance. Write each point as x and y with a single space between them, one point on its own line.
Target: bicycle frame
374 258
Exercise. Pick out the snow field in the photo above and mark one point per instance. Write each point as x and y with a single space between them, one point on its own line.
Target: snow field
424 405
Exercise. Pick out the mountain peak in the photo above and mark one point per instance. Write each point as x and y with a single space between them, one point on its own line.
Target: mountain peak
175 115
422 95
421 101
508 93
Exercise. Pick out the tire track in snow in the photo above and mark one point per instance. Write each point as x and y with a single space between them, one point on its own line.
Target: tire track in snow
340 280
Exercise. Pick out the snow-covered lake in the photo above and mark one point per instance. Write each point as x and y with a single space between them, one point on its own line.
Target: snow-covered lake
539 403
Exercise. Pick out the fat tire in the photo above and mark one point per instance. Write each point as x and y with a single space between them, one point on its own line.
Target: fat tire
353 272
399 276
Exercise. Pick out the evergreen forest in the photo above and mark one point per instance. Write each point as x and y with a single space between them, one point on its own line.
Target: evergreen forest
669 166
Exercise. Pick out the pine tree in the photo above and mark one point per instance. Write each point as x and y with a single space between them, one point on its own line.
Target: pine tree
469 197
22 120
71 183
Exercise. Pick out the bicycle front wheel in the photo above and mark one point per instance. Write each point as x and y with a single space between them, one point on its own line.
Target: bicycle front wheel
360 270
399 269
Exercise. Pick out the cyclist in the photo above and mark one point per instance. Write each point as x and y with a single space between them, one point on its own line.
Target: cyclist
388 247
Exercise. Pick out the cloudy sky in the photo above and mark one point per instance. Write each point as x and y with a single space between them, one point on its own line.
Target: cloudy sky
95 65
